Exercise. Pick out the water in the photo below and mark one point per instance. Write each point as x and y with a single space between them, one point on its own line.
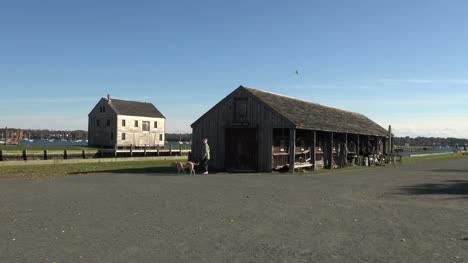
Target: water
176 143
441 150
55 142
82 143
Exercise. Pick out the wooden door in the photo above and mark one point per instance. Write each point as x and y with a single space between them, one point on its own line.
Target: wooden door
241 149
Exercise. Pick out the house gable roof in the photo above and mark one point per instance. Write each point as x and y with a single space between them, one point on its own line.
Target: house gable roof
132 108
315 116
135 108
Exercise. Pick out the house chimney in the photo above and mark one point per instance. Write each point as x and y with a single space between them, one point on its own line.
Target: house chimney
108 98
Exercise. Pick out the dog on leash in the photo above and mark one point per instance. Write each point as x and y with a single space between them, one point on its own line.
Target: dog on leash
181 166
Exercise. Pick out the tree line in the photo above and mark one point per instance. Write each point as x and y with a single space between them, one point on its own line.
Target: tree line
429 141
35 134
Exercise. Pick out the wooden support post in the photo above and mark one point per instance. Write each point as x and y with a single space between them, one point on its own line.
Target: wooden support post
292 149
25 155
392 146
65 154
330 158
144 151
390 141
384 141
1 155
83 154
46 153
131 150
377 144
115 150
358 149
314 154
346 150
180 150
368 144
157 150
170 150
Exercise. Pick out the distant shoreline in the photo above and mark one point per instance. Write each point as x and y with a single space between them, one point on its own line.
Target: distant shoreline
79 143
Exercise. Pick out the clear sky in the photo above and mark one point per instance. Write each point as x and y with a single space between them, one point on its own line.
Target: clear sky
403 63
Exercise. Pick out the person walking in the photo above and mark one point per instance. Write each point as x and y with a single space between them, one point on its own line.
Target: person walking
205 155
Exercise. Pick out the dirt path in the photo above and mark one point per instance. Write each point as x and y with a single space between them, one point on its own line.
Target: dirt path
410 213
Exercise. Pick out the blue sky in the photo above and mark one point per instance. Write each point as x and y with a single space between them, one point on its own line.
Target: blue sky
402 63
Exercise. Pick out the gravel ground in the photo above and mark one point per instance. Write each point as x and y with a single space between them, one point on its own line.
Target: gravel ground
411 213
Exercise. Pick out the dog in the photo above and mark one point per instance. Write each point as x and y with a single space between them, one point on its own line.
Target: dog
181 166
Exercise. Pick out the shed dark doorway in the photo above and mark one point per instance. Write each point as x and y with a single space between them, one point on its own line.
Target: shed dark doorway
241 150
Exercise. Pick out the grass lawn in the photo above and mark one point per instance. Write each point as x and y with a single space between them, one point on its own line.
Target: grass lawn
160 166
407 159
54 170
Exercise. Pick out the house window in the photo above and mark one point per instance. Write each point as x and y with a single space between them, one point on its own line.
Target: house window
146 126
102 109
112 136
123 136
136 123
160 137
123 123
108 123
155 124
97 123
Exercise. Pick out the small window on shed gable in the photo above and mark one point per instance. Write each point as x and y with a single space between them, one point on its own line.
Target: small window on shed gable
123 123
123 136
108 123
155 124
240 109
160 137
136 123
97 123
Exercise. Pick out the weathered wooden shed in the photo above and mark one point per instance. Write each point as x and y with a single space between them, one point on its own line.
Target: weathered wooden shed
256 130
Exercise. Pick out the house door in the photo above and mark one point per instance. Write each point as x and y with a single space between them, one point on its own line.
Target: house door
241 149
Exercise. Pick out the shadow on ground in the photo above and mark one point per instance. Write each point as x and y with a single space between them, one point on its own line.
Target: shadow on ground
156 171
450 171
448 187
149 171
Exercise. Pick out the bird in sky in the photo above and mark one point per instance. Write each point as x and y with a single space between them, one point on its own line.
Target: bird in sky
297 72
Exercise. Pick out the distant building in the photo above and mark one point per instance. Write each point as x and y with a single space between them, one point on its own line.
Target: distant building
115 122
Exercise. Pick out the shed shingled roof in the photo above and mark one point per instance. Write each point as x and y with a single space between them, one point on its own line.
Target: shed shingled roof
135 108
315 116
